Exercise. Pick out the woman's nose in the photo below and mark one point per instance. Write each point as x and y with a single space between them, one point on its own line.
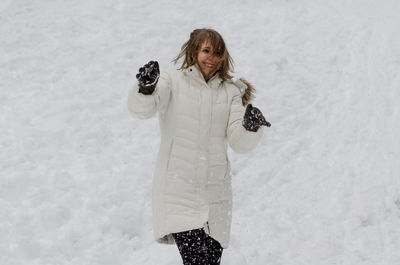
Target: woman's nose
212 57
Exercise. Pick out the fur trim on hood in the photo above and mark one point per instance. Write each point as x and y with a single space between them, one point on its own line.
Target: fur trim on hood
246 89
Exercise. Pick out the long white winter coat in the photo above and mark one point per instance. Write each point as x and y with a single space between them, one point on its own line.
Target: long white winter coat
192 183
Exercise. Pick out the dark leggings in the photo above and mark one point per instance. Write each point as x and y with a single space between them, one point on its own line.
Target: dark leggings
198 248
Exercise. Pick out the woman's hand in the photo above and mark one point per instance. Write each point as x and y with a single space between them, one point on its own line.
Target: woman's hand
253 119
148 76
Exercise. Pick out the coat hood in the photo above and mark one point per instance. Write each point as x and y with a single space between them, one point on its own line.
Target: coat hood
246 89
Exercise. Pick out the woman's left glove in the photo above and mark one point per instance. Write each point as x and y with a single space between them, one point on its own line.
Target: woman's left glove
253 119
148 76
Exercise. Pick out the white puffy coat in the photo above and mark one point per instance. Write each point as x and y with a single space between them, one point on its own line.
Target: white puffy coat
192 183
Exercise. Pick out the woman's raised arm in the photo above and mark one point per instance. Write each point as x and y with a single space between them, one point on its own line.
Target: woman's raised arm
151 93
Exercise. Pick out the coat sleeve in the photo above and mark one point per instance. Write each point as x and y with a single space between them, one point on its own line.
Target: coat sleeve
145 106
239 139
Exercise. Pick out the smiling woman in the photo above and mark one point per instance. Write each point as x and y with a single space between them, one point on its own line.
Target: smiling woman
206 49
201 111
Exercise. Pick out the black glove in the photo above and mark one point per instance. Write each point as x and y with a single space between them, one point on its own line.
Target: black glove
148 76
253 119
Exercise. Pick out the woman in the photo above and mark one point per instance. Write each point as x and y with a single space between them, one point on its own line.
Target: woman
200 110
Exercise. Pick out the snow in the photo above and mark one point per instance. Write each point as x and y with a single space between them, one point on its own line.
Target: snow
323 186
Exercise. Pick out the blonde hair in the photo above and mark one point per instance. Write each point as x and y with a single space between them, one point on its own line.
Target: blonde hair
190 50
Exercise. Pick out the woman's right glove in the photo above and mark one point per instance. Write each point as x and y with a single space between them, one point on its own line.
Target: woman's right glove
253 119
148 76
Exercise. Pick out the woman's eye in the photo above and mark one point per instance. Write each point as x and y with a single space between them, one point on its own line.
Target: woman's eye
206 50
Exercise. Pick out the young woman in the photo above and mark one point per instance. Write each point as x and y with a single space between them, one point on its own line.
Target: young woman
201 110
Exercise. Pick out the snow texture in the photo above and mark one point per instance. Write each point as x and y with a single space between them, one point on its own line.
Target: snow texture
323 186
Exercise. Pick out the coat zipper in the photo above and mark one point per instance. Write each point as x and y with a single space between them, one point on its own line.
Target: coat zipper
170 152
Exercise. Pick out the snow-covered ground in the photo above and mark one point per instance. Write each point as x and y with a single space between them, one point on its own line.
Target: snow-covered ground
323 187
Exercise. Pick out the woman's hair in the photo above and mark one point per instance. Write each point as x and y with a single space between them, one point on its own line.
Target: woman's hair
190 50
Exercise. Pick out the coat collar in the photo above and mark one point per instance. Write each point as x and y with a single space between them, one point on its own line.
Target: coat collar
195 73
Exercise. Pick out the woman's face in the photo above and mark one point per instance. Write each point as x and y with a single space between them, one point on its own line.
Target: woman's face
208 62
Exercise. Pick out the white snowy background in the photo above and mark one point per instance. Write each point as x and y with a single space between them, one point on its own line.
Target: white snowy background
323 186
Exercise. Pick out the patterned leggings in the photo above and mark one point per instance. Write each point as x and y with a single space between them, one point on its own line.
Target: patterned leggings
198 248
